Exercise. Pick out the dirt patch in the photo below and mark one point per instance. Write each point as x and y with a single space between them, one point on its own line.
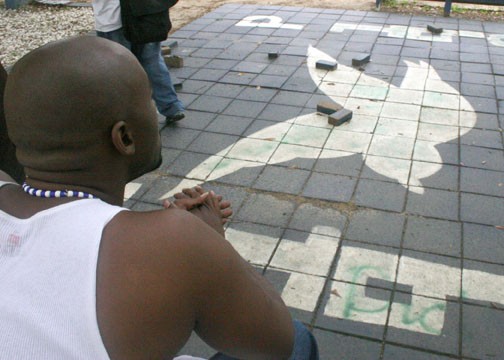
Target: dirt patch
187 11
436 8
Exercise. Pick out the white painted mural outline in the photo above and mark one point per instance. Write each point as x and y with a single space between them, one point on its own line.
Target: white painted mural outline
268 21
426 312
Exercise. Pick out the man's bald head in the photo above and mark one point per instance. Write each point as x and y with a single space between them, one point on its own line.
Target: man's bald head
62 100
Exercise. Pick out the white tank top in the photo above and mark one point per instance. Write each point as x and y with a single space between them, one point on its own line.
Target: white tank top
48 282
107 14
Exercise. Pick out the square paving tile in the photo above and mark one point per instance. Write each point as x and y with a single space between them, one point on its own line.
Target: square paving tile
481 242
484 182
318 220
197 120
433 202
274 112
257 94
245 108
253 150
380 195
483 138
282 179
345 307
481 332
329 187
295 156
266 209
397 170
395 128
436 153
394 352
297 250
306 135
254 242
339 163
177 137
348 141
432 175
210 103
435 236
392 146
194 165
232 125
481 209
212 143
300 292
345 347
431 324
440 116
374 226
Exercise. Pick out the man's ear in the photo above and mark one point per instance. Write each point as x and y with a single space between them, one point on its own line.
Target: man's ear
122 138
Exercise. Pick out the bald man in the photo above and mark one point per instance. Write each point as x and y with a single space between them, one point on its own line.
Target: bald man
84 278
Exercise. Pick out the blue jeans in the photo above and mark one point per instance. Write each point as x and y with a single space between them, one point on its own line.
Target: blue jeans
149 55
305 345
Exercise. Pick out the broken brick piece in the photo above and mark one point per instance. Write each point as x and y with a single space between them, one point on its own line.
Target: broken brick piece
170 43
361 60
273 55
174 61
340 117
326 65
328 107
434 30
177 83
165 50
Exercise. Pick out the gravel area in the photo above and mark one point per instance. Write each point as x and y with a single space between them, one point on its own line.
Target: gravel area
31 26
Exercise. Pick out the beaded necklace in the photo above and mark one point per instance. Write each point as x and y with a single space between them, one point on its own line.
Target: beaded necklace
56 193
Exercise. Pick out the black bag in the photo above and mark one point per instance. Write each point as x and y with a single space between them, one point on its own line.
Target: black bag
146 21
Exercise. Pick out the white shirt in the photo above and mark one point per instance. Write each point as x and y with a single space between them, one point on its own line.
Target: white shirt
107 14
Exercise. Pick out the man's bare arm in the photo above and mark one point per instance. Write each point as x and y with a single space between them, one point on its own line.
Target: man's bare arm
239 312
184 276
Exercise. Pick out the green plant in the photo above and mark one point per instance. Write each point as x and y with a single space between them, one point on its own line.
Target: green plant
391 3
458 10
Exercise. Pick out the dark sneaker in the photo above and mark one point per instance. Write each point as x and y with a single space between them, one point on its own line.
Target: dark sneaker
176 117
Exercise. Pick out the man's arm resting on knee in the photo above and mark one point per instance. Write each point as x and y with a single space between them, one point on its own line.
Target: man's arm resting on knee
199 277
238 311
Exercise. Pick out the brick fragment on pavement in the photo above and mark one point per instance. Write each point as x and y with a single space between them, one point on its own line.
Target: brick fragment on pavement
177 83
328 107
170 43
340 117
174 61
434 30
326 65
361 60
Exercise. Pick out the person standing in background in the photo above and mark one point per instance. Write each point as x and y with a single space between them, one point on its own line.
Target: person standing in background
8 161
140 26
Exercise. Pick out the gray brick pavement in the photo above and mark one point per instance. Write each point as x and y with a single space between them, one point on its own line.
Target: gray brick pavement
380 234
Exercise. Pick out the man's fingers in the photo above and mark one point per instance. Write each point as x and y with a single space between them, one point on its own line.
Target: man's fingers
226 213
180 196
225 204
193 192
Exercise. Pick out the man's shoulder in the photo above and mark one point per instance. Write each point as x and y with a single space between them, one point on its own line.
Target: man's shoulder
158 225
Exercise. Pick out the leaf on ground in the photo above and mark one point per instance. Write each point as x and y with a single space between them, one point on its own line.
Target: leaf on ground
335 293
